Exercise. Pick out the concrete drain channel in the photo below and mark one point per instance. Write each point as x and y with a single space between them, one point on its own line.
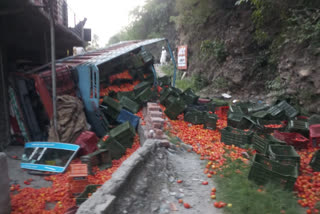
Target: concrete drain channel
147 182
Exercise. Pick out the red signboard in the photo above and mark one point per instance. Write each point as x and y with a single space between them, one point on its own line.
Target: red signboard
183 57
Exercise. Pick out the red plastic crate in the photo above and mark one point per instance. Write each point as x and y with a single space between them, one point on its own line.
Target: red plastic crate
78 178
88 142
294 139
314 136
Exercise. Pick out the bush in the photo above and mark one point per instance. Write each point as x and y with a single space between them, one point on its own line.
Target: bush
214 48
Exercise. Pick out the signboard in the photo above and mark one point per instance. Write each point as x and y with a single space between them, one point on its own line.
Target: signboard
183 57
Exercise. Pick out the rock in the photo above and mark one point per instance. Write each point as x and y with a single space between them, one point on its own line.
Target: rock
305 72
171 179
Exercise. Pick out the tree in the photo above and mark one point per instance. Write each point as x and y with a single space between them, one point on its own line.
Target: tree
94 44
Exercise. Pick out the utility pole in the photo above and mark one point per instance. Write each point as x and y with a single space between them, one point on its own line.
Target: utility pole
53 67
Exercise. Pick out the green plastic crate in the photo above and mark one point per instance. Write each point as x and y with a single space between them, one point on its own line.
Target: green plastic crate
128 94
261 115
129 105
290 111
144 96
240 121
210 122
257 108
314 119
284 154
315 161
276 113
189 96
113 107
170 99
195 117
264 170
112 145
219 102
141 86
261 143
100 158
166 93
270 130
235 109
124 134
85 194
299 126
175 108
164 81
236 137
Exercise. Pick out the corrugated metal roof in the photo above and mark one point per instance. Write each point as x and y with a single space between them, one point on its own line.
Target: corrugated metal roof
101 56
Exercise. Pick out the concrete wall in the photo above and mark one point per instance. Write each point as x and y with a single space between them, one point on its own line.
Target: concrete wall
4 185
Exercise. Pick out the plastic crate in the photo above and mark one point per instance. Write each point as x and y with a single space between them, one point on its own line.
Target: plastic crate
170 99
128 94
284 155
276 113
175 108
129 104
112 145
87 141
113 108
85 194
244 106
164 81
314 135
167 93
219 102
141 86
237 137
315 161
240 121
196 108
100 158
266 125
210 122
257 108
314 119
144 96
264 170
261 115
189 96
235 109
124 134
299 126
290 111
125 116
296 140
195 117
261 143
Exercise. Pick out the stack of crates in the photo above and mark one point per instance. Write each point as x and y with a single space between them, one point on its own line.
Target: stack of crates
284 154
210 122
195 117
261 143
264 170
113 108
101 158
315 161
129 104
77 179
175 108
237 137
124 134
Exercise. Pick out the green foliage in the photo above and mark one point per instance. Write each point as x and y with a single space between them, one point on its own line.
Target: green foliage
304 26
196 82
235 188
148 21
214 48
275 85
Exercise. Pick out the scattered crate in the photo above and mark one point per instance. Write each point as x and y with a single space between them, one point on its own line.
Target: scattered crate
125 116
124 134
314 136
286 155
210 122
164 81
299 126
269 126
277 113
100 158
261 143
264 170
240 121
189 96
195 117
175 108
234 136
290 111
144 96
129 104
294 139
77 179
258 107
113 108
141 86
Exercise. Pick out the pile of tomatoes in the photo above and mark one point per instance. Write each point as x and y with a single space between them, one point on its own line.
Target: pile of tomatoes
124 75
